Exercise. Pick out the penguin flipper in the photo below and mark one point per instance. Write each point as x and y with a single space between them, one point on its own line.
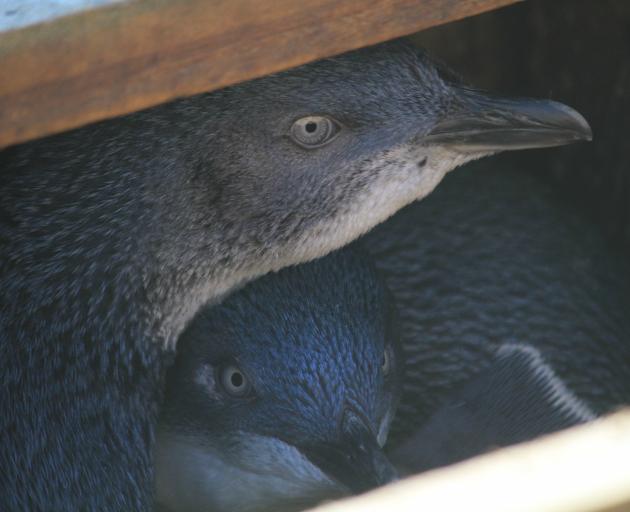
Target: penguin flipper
517 398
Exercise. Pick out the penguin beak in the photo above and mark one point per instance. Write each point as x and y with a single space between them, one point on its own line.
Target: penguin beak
476 123
356 460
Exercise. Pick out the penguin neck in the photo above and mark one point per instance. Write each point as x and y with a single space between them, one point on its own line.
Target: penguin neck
182 292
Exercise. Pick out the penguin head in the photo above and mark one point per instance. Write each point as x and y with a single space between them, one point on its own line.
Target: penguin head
308 159
283 394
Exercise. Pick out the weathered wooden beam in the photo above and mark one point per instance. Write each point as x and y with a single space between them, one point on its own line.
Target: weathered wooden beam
584 469
110 61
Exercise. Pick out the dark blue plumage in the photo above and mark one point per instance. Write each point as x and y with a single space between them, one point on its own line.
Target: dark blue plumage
514 316
317 348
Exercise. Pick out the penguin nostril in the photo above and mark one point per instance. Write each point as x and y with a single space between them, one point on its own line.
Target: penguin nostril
422 162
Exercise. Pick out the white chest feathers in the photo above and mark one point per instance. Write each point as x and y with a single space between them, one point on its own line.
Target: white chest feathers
246 473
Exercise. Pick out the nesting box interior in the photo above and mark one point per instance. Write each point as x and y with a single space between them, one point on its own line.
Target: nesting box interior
574 51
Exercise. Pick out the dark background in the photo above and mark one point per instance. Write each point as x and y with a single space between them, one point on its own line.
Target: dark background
574 51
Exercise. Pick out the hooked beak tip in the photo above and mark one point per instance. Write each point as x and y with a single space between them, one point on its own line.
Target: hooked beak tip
569 119
356 460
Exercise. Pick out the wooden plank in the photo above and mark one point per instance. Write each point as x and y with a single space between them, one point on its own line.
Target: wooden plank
584 469
126 57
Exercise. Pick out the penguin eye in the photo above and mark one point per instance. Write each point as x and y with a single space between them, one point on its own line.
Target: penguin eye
312 132
235 382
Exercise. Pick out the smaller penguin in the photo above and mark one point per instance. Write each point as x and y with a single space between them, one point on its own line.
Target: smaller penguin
282 395
513 312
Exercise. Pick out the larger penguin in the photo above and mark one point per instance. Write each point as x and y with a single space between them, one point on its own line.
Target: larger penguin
514 316
115 234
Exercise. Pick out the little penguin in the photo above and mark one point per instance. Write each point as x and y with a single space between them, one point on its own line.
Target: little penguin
115 234
282 395
513 317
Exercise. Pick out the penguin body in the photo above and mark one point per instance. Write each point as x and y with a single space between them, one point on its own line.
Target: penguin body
513 317
115 234
282 395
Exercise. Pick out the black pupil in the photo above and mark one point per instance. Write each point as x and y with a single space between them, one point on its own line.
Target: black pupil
236 379
311 127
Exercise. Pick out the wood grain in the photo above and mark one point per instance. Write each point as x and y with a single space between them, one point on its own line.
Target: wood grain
582 469
110 61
